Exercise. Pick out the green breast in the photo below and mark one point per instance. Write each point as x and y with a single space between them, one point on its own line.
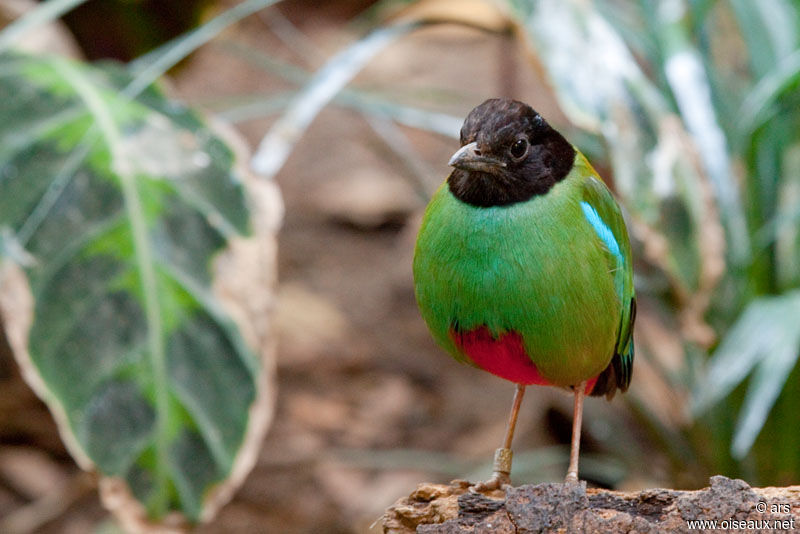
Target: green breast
534 267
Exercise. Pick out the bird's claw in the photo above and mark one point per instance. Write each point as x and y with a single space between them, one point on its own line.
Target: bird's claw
499 481
500 473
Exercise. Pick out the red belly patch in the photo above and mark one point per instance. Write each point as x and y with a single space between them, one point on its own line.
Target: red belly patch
503 356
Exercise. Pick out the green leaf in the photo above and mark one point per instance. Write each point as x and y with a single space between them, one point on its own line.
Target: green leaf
690 85
120 206
766 340
669 195
768 380
608 75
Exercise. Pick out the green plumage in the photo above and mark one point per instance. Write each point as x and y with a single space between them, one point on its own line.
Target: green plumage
540 267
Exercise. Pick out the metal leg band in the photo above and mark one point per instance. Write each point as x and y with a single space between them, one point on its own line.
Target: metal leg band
502 461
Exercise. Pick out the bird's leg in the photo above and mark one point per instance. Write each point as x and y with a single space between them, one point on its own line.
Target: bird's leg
501 470
577 416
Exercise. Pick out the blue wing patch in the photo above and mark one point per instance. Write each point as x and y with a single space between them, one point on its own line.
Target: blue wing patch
602 229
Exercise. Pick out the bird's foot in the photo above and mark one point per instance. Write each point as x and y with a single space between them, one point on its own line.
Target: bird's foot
571 478
499 481
500 473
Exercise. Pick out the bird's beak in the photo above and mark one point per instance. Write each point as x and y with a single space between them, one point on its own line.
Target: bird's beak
469 158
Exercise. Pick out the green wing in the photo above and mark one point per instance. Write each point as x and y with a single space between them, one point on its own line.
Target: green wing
603 213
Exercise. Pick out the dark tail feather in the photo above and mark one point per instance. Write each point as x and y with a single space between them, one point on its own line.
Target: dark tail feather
618 373
607 381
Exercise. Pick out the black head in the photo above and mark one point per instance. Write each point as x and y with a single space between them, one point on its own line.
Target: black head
508 154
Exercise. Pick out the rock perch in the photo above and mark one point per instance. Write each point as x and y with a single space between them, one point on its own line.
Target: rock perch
726 506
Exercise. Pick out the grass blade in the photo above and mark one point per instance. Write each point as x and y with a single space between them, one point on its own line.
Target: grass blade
765 338
44 13
365 102
769 379
739 352
690 85
770 29
150 67
754 108
276 146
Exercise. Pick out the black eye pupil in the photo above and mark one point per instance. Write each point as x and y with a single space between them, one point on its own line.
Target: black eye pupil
519 147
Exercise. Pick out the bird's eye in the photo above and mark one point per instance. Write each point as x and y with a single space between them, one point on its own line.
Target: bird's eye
519 148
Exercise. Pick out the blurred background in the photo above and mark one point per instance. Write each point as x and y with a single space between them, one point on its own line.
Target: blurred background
690 111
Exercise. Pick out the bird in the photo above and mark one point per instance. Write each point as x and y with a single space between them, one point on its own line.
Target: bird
522 266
